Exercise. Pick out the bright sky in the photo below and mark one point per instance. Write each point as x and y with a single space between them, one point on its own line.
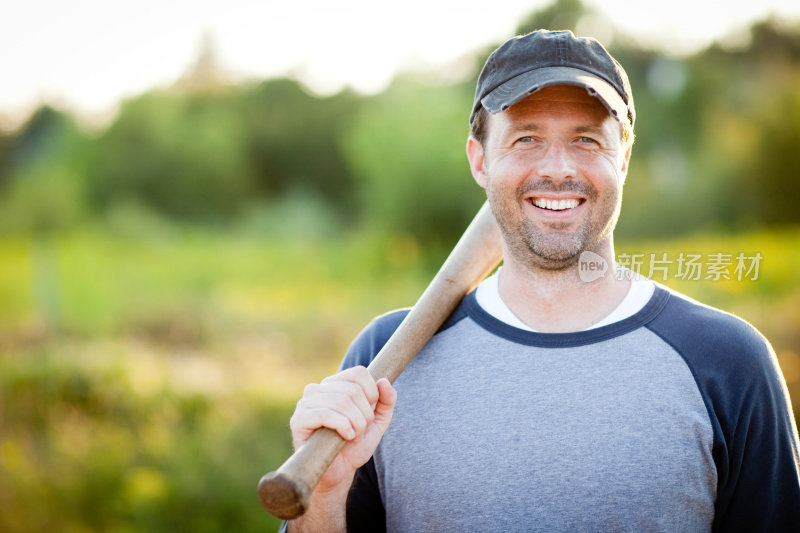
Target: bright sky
86 55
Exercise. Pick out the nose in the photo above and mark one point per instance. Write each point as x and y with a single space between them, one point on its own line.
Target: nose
557 163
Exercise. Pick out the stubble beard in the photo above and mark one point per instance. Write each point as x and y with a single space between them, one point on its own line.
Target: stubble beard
552 247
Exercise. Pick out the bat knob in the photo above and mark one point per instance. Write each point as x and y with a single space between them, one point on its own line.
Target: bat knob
283 496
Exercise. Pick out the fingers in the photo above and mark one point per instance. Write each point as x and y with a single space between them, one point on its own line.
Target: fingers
358 385
339 406
304 422
347 403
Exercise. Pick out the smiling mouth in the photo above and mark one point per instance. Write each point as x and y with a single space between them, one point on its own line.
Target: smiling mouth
555 204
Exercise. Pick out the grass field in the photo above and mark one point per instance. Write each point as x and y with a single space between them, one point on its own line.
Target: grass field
146 382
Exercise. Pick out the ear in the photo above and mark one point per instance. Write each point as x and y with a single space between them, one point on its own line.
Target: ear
624 163
477 161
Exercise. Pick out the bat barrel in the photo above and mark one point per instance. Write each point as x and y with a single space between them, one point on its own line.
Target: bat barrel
286 492
283 496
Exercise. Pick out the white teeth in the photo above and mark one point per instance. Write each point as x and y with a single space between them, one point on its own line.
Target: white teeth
555 205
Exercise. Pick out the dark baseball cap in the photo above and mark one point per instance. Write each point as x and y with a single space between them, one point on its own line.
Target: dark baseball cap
527 63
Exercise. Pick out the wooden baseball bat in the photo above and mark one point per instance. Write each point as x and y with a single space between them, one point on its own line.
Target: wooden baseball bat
285 493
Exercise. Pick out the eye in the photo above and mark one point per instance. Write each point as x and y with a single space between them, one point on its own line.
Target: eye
527 141
587 140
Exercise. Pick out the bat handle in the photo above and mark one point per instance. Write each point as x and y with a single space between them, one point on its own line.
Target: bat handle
285 493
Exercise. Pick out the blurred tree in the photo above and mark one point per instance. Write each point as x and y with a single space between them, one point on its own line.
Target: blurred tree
762 185
712 135
183 156
292 141
777 40
748 123
44 193
560 15
5 149
205 154
407 150
209 151
206 74
768 182
43 166
664 192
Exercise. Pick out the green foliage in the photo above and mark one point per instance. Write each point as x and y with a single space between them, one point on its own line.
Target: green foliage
123 282
163 416
42 200
715 132
297 215
85 448
560 15
6 146
168 392
292 142
185 157
42 172
767 179
407 148
206 156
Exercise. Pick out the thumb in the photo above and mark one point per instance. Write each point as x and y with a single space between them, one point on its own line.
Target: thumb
387 397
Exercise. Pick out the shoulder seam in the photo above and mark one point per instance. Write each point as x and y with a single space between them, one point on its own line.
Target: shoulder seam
703 395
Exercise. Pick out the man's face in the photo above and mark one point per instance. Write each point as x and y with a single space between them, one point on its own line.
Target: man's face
553 166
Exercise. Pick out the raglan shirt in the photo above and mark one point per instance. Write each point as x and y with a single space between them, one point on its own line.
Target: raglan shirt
674 419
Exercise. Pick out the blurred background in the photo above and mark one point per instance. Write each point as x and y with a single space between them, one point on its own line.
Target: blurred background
201 206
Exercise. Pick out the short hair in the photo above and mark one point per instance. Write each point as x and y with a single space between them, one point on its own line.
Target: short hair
477 128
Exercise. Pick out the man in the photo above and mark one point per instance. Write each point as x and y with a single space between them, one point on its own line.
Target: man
546 403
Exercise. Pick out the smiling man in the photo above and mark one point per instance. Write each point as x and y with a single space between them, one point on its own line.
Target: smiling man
553 166
546 403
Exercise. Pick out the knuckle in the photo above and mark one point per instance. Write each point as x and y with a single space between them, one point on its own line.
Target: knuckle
335 421
341 403
294 422
354 391
300 406
359 424
339 376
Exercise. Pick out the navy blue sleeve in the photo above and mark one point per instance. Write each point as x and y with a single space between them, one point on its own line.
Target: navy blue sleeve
372 338
755 437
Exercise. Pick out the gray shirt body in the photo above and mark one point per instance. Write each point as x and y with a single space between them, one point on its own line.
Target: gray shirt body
489 435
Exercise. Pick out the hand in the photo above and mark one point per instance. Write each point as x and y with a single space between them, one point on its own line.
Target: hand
355 406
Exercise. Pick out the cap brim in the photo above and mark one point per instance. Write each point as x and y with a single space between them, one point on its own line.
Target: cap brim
527 83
